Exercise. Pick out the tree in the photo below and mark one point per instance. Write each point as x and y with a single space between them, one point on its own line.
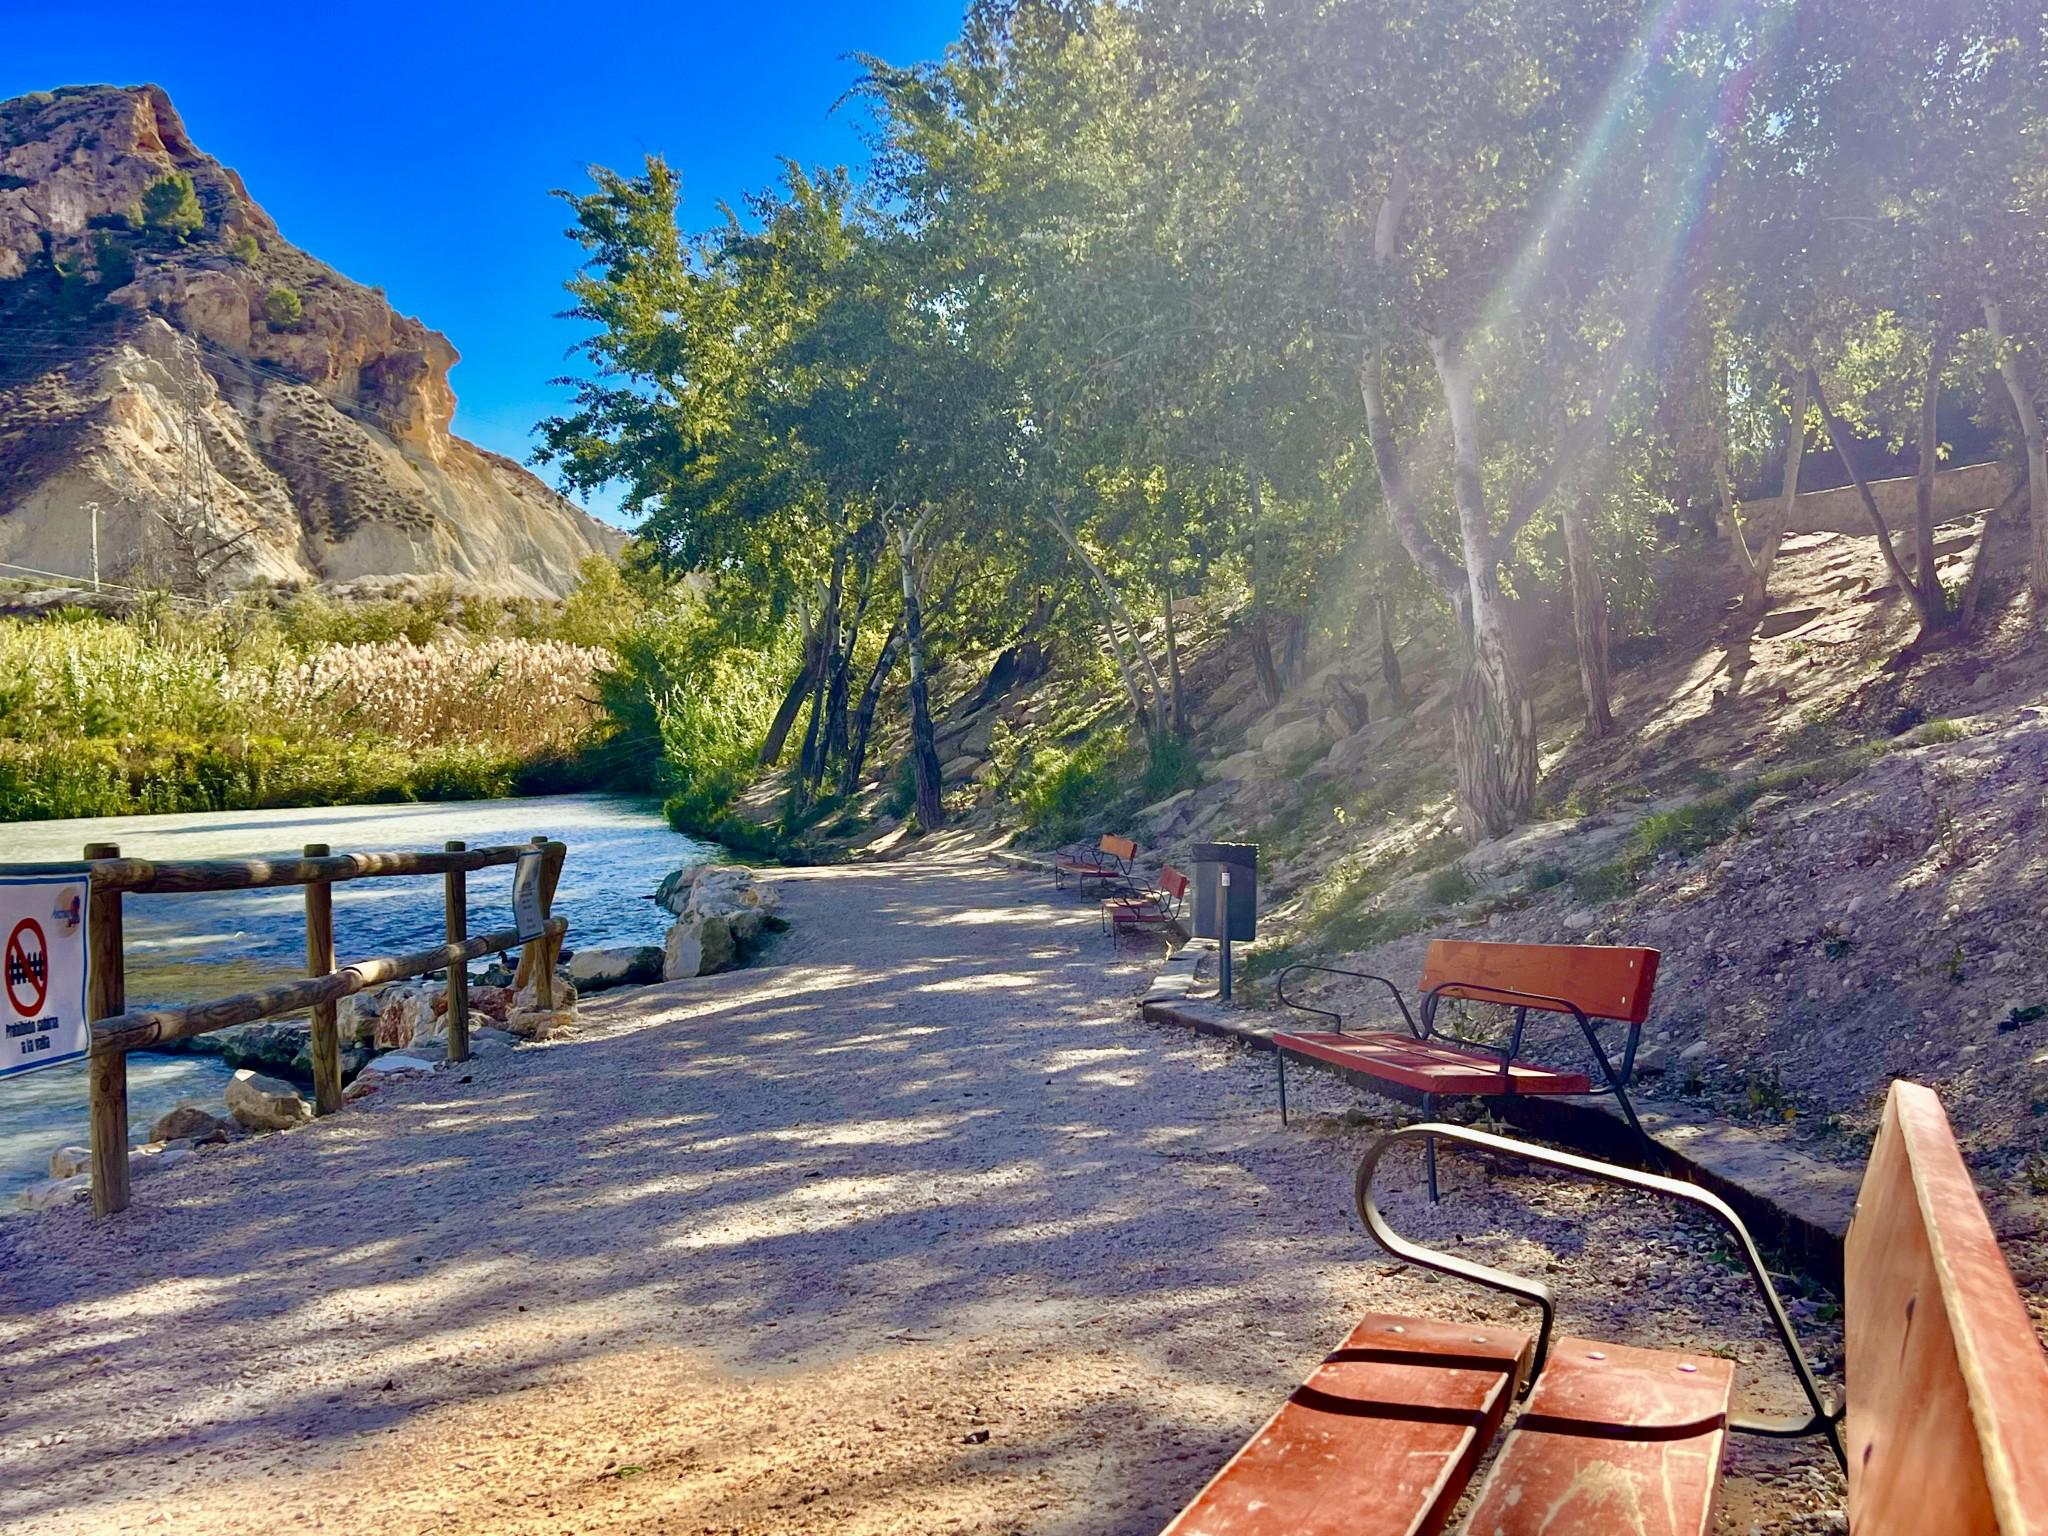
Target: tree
170 206
283 309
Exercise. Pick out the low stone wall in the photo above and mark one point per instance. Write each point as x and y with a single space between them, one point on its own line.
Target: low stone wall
1957 492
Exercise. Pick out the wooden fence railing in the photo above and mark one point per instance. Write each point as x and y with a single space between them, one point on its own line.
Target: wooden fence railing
116 1030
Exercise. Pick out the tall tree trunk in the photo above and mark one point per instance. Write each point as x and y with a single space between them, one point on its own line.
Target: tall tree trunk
1756 596
864 714
1493 719
1390 660
2037 446
1930 456
1589 619
792 701
1179 705
836 697
1114 602
1929 610
1258 638
924 752
1982 556
810 764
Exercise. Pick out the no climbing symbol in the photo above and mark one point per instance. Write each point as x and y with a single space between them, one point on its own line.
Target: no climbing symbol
28 968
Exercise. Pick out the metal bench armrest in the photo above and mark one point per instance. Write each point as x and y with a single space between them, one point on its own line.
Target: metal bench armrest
1823 1421
1510 997
1280 986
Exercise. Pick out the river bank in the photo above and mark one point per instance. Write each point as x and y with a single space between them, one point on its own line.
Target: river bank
192 948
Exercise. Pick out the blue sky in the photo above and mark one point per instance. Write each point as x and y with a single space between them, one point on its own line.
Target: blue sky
414 146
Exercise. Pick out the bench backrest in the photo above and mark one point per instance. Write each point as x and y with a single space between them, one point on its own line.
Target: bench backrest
1117 847
1172 883
1602 979
1947 1383
1606 981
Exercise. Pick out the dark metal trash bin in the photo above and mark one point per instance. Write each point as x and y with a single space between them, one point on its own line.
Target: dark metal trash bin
1242 860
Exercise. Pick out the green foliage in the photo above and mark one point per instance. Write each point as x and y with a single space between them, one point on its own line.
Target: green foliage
245 248
113 259
170 206
166 771
690 707
1452 883
237 709
1066 792
283 309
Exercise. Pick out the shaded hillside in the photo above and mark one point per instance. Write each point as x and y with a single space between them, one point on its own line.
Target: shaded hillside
234 408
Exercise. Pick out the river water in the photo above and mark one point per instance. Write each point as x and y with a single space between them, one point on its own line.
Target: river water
191 948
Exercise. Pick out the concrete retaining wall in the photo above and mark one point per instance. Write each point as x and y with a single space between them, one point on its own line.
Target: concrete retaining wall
1957 492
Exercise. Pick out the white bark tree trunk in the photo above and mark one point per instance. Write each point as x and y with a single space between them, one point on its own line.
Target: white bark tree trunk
1493 718
2037 446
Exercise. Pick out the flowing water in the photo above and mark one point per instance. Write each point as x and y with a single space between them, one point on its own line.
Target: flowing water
191 948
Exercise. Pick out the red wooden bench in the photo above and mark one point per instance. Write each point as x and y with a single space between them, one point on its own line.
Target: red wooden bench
1594 984
1160 909
1108 863
1946 1432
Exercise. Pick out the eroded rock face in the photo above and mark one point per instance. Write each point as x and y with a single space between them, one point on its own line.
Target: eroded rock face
320 444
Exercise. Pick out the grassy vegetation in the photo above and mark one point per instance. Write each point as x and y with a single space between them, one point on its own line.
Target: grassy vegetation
1713 818
1065 793
281 700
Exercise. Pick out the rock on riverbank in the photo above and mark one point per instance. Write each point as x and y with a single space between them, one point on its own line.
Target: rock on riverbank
722 911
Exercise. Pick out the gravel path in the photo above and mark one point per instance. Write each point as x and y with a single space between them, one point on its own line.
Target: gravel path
915 1229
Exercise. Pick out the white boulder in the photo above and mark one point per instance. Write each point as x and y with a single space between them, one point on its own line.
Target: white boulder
699 945
69 1162
46 1194
265 1103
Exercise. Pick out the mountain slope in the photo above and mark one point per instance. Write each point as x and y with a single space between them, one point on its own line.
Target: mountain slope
236 410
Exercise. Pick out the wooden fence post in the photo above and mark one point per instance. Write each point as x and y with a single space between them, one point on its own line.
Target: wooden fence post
537 960
107 1082
320 961
455 885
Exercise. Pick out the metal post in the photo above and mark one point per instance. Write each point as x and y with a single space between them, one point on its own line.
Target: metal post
94 508
1223 928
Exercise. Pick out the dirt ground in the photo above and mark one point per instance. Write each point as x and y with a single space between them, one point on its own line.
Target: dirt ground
914 1229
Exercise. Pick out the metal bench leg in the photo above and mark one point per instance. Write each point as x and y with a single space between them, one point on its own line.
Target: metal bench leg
1429 1146
1281 1057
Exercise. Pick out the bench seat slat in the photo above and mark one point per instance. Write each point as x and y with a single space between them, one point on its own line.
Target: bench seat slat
1429 1066
1380 1440
1614 1440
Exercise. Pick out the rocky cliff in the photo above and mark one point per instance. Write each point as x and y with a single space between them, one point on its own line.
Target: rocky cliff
225 408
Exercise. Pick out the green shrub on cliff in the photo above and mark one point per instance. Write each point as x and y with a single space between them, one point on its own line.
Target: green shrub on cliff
170 206
283 308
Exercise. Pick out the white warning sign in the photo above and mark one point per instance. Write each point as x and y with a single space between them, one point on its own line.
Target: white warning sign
42 972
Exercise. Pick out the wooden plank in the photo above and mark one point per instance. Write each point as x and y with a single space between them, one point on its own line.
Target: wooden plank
106 1088
1607 981
1118 847
1947 1384
1380 1441
1428 1066
1625 1442
455 906
160 1026
319 961
145 876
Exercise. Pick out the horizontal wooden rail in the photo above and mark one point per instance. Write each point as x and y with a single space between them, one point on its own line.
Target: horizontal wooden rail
147 1028
117 1030
145 877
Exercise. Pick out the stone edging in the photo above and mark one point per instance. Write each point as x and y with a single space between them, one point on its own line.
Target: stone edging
1791 1201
